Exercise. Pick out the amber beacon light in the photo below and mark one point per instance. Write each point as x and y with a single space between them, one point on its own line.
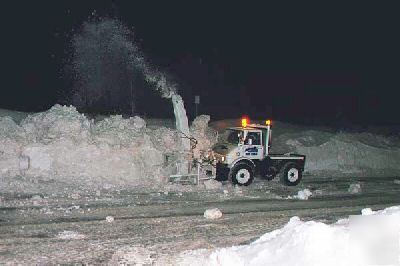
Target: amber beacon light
245 121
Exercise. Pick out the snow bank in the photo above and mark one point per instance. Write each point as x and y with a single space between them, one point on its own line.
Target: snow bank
372 238
63 144
342 153
12 137
14 115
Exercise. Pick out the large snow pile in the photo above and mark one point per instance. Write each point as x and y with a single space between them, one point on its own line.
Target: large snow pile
372 238
15 115
352 153
12 137
63 144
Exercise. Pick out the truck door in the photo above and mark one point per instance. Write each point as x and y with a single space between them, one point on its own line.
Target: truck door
253 148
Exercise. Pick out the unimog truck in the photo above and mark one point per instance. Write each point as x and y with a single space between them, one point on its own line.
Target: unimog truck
244 152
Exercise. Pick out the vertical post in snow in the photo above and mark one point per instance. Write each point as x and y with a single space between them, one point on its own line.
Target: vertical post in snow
196 101
132 100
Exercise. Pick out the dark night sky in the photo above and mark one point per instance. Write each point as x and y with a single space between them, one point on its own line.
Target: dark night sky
310 64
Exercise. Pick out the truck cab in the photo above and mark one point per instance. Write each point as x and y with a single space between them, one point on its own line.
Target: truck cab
244 152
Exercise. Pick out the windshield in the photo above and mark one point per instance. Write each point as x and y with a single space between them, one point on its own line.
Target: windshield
232 136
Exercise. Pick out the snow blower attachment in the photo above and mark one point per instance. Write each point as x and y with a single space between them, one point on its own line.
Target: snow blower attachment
242 153
192 175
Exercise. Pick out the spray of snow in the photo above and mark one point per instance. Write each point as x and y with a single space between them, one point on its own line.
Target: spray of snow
372 238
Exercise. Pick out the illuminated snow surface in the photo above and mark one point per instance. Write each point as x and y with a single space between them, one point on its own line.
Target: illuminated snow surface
372 238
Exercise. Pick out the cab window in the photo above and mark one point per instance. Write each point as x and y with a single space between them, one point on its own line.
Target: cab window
234 136
255 138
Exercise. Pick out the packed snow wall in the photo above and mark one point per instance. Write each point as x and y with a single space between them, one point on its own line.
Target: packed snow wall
63 144
361 154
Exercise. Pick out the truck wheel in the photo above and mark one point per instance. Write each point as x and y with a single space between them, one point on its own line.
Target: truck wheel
242 174
290 174
270 173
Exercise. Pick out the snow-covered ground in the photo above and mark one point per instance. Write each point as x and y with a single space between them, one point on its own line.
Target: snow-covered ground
372 238
56 223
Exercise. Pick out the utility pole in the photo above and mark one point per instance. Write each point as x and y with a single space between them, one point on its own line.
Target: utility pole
132 99
197 102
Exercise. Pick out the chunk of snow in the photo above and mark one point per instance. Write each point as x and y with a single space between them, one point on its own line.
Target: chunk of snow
372 239
355 188
70 235
213 214
367 211
109 219
139 123
302 194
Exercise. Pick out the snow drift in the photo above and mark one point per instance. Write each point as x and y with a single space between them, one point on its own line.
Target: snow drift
63 144
343 153
372 238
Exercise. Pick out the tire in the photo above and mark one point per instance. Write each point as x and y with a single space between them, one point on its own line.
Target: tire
270 173
242 174
290 174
